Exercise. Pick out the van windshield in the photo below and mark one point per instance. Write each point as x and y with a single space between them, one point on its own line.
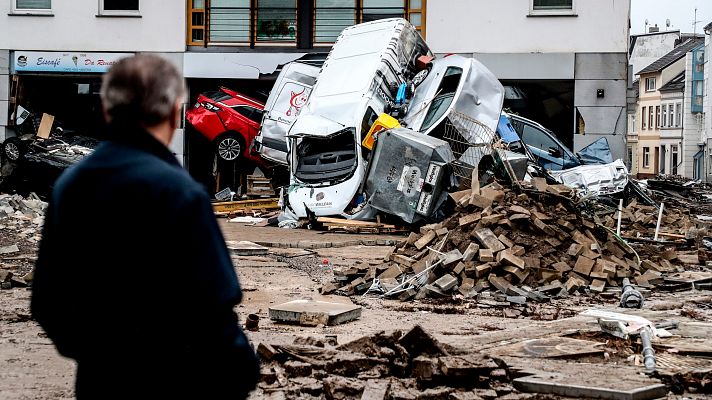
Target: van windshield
446 93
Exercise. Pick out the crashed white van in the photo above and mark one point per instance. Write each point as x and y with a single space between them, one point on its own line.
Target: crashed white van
290 93
355 85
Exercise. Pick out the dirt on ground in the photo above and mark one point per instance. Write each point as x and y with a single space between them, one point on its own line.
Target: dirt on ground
30 367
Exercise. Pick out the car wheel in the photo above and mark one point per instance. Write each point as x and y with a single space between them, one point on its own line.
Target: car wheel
229 147
13 149
420 77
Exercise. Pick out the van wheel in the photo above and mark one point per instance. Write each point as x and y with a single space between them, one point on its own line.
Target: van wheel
13 149
229 147
420 77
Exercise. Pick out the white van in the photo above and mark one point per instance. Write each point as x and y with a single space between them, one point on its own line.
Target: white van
290 93
356 84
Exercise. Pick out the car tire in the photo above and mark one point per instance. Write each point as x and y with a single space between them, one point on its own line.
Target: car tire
229 147
13 149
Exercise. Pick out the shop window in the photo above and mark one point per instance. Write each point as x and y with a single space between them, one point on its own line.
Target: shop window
229 21
381 9
32 6
331 17
118 7
276 21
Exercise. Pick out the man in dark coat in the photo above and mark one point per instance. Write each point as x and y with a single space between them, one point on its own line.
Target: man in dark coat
133 278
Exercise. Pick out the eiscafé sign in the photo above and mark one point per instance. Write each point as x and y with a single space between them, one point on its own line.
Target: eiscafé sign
47 61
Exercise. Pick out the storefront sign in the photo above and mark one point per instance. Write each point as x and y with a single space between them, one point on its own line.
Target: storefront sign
47 61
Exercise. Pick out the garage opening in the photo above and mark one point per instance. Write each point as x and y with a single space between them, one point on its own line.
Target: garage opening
550 103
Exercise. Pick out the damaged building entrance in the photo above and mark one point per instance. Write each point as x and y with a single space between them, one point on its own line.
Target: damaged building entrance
63 84
550 103
73 100
222 118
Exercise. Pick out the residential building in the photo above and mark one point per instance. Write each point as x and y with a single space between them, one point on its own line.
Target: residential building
53 53
671 133
706 138
696 151
564 63
651 158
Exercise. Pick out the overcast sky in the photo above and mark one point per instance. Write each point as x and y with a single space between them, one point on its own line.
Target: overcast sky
680 12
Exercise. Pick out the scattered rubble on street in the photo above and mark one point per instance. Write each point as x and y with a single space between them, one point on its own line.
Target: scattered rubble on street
21 222
509 247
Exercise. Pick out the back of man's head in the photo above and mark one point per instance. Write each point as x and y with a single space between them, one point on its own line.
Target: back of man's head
142 90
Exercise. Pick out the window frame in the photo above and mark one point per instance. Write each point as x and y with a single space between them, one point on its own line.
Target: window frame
358 18
553 12
644 120
678 114
663 116
118 13
32 11
647 84
646 157
651 118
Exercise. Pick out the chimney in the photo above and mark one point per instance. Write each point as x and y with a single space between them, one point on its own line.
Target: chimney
654 29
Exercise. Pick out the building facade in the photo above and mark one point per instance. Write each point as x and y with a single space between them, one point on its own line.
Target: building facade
53 53
564 63
659 143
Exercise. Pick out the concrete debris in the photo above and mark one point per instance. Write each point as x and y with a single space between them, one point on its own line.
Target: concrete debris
313 313
529 244
384 365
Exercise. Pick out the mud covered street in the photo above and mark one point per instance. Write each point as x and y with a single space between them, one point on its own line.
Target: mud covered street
30 368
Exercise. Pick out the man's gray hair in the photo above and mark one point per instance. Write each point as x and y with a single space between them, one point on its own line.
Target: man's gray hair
141 90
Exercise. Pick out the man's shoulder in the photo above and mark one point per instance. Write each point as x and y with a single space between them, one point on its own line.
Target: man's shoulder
118 164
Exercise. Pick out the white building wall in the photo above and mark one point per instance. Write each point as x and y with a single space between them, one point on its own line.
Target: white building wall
649 48
496 26
75 25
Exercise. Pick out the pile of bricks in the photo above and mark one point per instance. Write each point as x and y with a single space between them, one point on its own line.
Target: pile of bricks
393 365
528 244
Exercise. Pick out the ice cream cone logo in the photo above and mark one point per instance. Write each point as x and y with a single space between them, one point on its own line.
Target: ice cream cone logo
75 59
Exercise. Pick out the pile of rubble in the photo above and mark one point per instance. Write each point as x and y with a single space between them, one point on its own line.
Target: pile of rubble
31 208
531 243
21 221
381 366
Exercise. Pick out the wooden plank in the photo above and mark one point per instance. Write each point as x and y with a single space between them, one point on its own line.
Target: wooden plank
45 126
227 207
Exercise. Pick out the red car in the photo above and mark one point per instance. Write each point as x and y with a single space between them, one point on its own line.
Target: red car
229 119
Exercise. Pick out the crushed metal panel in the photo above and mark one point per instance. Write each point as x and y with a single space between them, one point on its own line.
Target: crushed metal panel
407 173
598 152
594 179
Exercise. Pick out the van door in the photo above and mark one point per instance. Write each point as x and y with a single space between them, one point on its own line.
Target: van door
289 94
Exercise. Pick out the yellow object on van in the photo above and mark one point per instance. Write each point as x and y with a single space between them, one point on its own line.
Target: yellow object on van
383 123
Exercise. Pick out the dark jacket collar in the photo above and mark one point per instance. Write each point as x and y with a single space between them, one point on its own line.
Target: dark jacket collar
139 138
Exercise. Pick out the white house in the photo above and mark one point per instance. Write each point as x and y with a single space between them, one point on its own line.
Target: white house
565 63
53 53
